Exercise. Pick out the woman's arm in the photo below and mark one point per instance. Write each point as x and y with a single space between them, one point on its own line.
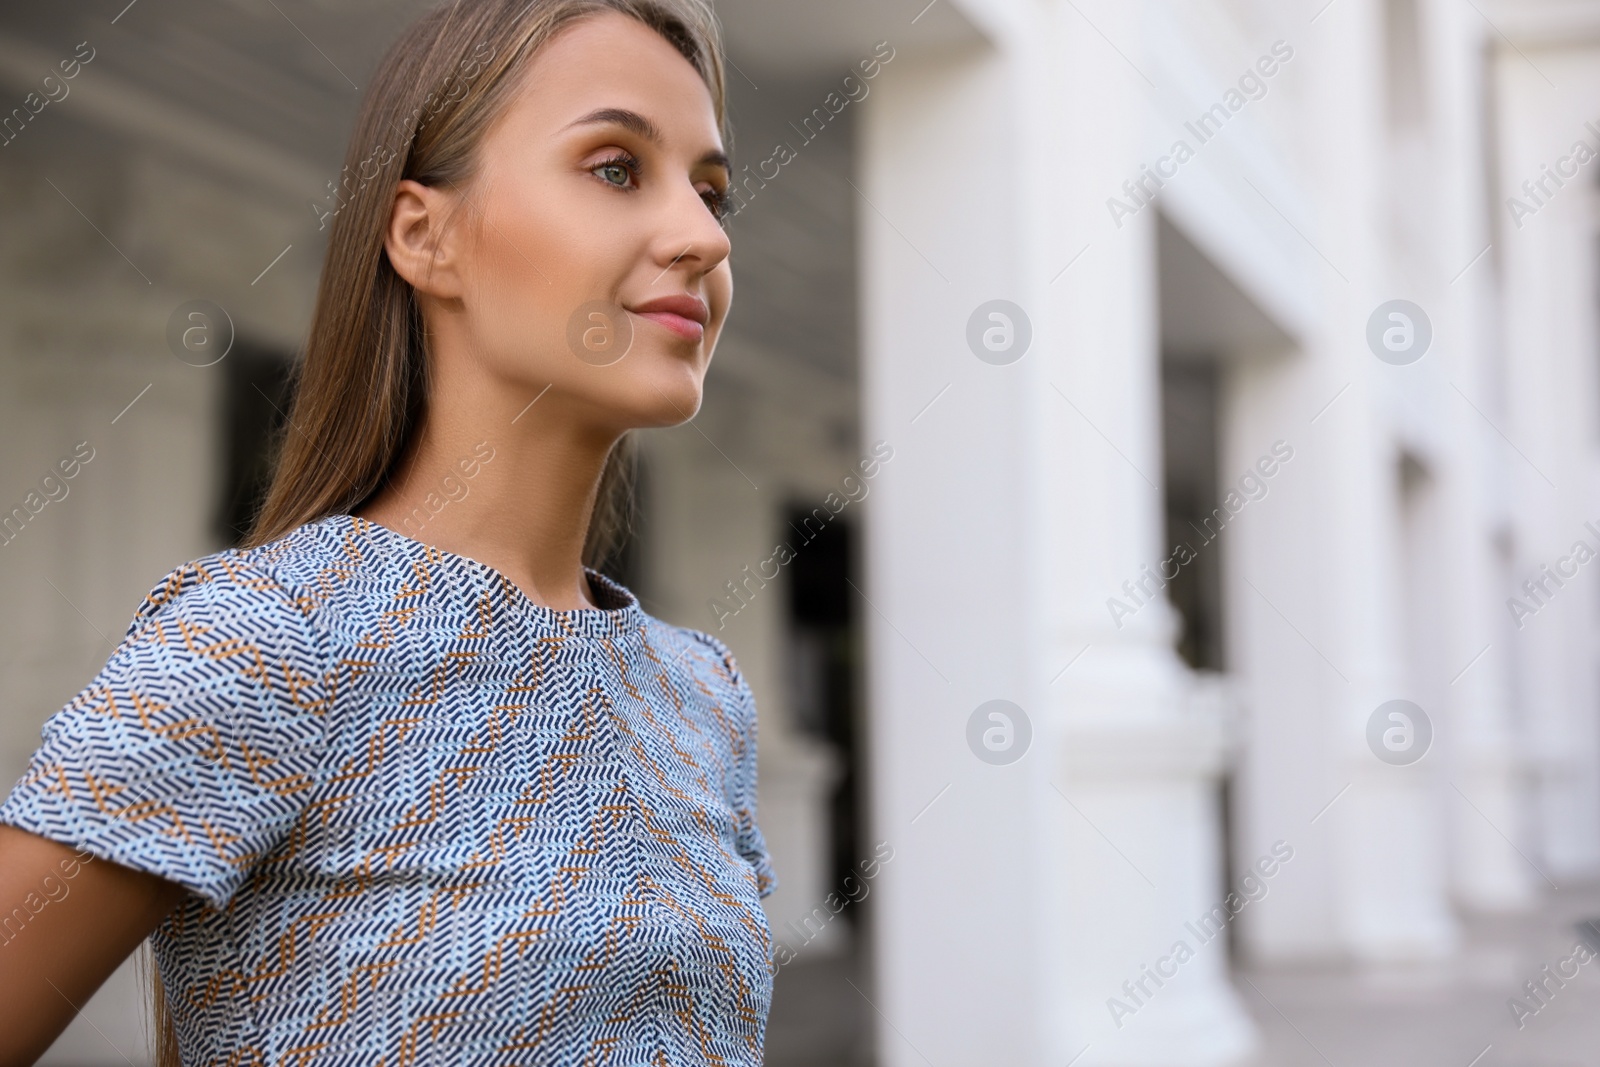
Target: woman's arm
66 923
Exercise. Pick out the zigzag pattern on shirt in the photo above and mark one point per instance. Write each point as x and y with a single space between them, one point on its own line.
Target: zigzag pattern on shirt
160 702
426 819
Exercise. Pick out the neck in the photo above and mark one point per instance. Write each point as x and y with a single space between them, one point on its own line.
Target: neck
508 484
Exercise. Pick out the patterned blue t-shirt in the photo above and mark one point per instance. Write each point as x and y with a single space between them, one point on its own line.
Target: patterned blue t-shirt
424 820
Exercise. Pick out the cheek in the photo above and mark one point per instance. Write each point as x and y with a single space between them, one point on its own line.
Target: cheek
534 264
719 292
527 254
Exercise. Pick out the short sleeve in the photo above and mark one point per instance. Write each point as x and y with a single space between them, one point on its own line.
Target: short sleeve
752 845
192 753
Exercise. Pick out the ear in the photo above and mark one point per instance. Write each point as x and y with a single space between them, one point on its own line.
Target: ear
423 246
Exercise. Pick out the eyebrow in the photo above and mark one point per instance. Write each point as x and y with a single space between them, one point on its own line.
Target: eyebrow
641 126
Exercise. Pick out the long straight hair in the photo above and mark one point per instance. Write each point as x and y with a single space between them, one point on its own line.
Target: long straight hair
361 389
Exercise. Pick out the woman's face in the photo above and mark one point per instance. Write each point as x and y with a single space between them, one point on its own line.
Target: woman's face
595 215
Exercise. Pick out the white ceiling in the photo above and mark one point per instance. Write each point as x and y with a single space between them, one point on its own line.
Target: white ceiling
287 72
1204 315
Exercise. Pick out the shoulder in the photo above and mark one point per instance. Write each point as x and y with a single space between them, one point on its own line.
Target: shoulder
713 663
712 650
223 634
255 600
226 581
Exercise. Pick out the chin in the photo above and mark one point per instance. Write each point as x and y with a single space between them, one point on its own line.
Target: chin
662 399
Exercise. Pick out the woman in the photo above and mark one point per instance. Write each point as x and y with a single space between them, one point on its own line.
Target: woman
451 798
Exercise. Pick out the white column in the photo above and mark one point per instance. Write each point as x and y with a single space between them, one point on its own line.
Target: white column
1276 637
1487 754
1021 497
1387 831
1142 743
1549 264
1316 579
951 587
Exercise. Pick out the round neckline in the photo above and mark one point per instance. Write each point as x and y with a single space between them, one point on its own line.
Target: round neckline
618 612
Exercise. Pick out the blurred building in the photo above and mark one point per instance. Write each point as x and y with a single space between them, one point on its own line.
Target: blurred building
1227 376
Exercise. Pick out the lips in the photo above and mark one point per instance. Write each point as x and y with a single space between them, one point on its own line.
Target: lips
682 314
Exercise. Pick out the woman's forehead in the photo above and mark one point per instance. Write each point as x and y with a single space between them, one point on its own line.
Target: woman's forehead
610 61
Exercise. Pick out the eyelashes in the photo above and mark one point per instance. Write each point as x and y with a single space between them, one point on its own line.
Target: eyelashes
720 203
626 161
717 201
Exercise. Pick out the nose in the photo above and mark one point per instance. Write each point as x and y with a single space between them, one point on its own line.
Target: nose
689 237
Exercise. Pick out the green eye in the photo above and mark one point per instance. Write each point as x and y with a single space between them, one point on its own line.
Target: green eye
619 171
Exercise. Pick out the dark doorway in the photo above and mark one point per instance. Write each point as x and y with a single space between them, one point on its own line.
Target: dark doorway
1189 400
255 399
1190 420
824 664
